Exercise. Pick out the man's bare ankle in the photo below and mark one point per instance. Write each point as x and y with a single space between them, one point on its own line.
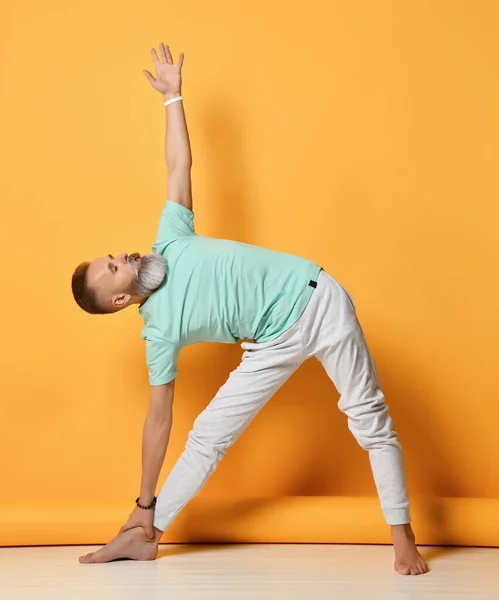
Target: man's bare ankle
157 534
404 530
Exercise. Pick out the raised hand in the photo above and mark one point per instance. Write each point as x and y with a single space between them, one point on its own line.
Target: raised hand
168 78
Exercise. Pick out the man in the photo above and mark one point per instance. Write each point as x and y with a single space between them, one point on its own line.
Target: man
193 288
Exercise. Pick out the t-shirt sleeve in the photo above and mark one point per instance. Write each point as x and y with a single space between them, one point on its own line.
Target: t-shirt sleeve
175 221
161 358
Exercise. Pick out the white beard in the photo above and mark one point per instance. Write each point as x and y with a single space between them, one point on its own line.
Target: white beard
149 275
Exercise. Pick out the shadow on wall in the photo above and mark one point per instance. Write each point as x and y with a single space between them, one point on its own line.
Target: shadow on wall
299 444
229 194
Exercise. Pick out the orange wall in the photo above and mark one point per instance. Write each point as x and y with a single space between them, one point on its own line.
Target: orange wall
361 135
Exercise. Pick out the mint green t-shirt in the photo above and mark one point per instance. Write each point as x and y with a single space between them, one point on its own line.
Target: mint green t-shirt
217 290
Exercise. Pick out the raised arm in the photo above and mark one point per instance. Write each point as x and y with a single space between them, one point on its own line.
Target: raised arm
168 82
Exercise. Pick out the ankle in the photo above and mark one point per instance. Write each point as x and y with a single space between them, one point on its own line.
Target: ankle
404 530
157 534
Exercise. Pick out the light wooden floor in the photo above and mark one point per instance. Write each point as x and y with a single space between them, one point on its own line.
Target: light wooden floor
240 572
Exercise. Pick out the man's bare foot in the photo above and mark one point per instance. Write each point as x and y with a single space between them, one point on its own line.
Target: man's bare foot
408 561
133 544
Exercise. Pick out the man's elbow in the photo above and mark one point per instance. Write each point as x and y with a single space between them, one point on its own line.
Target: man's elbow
179 164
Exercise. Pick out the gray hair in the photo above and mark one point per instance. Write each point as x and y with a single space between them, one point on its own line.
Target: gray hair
149 275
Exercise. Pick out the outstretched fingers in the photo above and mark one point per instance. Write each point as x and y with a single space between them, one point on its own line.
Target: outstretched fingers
165 50
166 56
155 57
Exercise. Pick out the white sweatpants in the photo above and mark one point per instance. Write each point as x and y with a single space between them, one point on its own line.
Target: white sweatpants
329 330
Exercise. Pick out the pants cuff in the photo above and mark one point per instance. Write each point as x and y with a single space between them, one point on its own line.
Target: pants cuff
161 521
397 516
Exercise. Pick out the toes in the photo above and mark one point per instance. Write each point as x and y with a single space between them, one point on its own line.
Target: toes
413 569
422 567
99 557
93 557
87 558
417 570
402 569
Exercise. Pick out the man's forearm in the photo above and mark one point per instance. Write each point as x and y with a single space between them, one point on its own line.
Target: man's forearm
154 444
177 146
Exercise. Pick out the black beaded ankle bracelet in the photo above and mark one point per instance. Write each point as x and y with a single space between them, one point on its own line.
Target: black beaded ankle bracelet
146 507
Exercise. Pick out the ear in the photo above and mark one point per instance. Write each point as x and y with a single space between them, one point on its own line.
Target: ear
121 300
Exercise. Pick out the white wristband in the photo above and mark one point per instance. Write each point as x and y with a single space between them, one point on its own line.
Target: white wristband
173 100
